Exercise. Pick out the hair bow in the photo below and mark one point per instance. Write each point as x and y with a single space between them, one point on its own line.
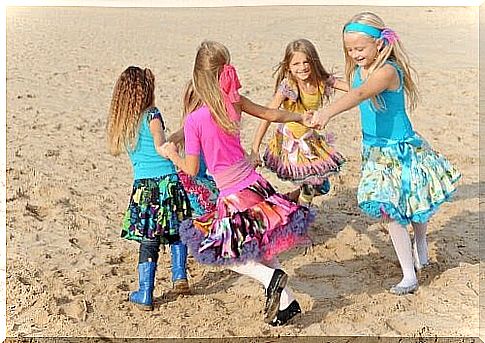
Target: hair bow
229 83
389 35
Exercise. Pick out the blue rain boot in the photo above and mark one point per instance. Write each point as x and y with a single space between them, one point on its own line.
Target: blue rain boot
143 298
179 268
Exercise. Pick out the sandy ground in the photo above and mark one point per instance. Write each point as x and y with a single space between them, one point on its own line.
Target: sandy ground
69 273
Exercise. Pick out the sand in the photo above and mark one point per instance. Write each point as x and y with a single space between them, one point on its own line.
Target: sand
69 272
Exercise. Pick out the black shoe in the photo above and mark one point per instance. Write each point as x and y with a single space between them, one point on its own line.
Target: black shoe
288 313
273 294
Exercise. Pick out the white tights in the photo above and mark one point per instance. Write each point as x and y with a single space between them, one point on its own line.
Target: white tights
402 246
420 243
263 272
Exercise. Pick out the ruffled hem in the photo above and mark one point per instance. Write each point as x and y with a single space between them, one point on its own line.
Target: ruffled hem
293 233
157 206
311 173
388 211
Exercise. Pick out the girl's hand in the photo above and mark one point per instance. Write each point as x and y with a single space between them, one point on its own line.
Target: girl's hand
320 119
167 150
307 118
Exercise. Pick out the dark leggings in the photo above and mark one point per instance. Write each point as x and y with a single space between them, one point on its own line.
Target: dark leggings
149 248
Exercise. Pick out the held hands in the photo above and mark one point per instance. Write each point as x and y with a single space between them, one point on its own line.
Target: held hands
167 150
306 118
320 119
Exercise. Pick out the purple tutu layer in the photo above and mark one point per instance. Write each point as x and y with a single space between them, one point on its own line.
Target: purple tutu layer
255 223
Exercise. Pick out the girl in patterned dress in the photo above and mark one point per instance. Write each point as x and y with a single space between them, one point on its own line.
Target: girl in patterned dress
298 153
252 223
404 181
158 201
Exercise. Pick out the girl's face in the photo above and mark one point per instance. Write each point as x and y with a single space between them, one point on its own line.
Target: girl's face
361 48
300 66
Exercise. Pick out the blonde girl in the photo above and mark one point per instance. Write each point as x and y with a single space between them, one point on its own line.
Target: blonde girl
403 181
252 223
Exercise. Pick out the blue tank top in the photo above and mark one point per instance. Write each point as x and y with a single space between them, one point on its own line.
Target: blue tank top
202 167
390 121
146 162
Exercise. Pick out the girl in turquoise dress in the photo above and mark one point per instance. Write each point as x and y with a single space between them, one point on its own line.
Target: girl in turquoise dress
158 201
403 180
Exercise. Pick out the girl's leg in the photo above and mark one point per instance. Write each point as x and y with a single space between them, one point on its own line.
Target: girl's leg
402 246
149 249
274 281
420 242
147 264
178 252
286 295
306 195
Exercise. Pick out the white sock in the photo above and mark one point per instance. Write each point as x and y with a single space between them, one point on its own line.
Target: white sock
286 295
420 241
402 246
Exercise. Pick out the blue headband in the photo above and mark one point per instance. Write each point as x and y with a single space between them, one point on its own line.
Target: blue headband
367 29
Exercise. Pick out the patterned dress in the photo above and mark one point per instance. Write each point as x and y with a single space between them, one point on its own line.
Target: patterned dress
297 153
403 178
158 201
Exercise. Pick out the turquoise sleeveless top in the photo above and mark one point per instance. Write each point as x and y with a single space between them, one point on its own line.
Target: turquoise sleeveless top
390 121
146 162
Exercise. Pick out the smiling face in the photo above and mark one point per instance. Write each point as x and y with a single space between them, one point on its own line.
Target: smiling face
300 66
362 49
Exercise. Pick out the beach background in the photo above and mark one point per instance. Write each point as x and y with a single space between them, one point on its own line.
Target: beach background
68 271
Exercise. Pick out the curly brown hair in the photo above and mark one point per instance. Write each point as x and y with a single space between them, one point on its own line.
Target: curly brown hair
133 93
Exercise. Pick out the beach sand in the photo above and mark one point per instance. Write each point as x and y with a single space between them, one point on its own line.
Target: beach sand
68 270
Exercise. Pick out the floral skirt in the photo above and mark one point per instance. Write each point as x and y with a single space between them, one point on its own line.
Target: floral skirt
202 193
255 223
404 182
307 160
157 207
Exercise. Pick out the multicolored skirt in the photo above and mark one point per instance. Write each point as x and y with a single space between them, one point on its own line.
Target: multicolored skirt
255 223
202 193
405 182
157 207
307 160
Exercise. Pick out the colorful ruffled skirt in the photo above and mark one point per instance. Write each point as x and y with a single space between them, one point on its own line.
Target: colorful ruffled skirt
255 223
307 160
202 193
405 182
157 207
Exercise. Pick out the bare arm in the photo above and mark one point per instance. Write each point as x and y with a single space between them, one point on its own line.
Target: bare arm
157 132
341 85
177 137
189 164
381 80
269 114
275 103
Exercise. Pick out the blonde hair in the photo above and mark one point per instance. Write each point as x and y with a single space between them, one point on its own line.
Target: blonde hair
394 51
318 72
190 100
133 93
209 61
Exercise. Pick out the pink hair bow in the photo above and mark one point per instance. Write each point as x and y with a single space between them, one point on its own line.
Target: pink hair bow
229 85
389 35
